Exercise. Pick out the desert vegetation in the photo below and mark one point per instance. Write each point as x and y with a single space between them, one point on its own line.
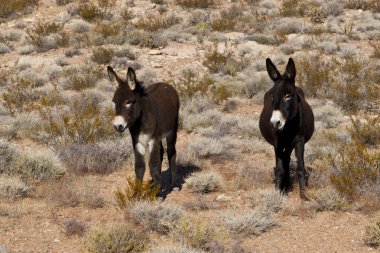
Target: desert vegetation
67 178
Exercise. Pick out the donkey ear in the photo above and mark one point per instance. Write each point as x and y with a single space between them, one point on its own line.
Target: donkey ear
131 78
290 71
272 70
112 75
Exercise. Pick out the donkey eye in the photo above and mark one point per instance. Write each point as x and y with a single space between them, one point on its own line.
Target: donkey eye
288 96
128 103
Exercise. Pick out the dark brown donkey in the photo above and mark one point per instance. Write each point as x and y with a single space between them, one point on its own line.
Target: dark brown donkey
150 114
286 122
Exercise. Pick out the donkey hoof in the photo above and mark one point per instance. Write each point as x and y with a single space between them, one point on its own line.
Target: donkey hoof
160 199
176 189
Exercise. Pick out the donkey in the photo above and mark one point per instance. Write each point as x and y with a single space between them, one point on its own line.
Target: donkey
150 114
286 122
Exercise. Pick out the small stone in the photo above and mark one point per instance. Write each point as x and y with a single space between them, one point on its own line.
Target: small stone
155 52
223 197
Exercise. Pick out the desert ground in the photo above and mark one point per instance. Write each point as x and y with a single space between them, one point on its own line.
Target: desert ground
67 177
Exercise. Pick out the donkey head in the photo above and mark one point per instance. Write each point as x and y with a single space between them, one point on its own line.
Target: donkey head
283 94
127 99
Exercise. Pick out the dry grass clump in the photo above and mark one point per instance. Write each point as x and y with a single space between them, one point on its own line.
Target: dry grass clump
223 62
102 55
9 8
21 96
252 222
7 152
90 12
81 77
116 239
196 233
74 227
195 3
366 130
267 200
155 22
328 199
36 165
82 121
135 191
98 158
12 188
351 82
354 166
372 237
290 8
207 147
205 182
178 248
161 218
226 20
372 5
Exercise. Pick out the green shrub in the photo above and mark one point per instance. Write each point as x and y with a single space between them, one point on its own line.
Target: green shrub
117 239
135 191
102 55
195 3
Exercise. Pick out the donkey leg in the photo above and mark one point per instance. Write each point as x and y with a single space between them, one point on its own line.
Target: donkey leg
155 162
139 152
161 152
301 173
279 170
172 155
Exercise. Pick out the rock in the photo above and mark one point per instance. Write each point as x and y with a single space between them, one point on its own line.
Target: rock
3 249
155 52
223 197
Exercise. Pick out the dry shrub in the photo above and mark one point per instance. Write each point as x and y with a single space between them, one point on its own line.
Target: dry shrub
223 62
196 233
204 182
13 188
289 8
21 96
177 248
82 77
366 130
135 191
372 236
83 121
36 165
8 8
225 22
102 55
328 199
190 83
108 29
90 12
74 227
372 5
116 239
161 218
52 98
97 158
195 3
253 222
351 83
42 28
155 22
267 200
355 165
